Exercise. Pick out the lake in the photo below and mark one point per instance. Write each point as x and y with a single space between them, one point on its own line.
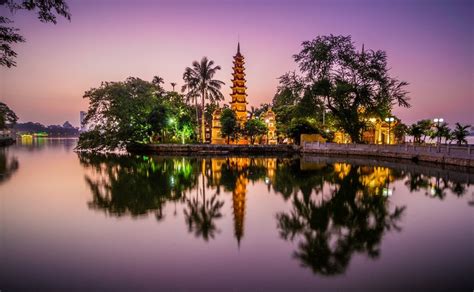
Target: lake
141 222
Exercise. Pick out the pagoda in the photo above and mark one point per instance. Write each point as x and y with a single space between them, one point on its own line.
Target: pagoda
239 95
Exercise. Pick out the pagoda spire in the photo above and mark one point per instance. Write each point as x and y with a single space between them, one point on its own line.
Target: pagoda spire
239 95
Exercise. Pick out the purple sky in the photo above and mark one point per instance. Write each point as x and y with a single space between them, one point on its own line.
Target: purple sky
429 43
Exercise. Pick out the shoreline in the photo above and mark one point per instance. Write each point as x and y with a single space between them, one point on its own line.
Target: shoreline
290 150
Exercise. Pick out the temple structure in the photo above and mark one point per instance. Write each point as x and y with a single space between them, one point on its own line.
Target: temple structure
238 103
239 95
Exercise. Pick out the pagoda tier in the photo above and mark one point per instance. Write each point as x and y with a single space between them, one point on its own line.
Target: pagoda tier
239 95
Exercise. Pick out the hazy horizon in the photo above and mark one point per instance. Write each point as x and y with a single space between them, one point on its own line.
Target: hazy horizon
429 44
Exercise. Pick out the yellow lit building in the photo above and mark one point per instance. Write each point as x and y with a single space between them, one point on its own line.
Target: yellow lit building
270 120
238 103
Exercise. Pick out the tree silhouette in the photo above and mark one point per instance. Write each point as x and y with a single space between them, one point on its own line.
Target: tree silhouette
331 232
47 11
199 80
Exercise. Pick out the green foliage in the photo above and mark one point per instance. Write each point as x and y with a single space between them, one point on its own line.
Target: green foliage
229 125
460 133
8 118
135 111
199 81
301 126
253 128
400 130
420 130
118 114
47 11
351 84
442 131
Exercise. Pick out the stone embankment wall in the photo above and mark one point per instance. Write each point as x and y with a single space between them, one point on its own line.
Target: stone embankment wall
211 149
444 154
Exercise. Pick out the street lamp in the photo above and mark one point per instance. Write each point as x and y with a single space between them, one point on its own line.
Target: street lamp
438 121
389 120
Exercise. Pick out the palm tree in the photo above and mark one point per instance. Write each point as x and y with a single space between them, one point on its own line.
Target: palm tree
158 81
460 133
173 84
190 84
199 79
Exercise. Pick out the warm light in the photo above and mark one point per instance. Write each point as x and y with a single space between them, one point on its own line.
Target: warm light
372 120
267 120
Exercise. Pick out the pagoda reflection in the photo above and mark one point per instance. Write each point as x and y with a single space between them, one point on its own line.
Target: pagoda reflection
325 197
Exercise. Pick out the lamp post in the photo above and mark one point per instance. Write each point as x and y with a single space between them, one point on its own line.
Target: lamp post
438 121
389 120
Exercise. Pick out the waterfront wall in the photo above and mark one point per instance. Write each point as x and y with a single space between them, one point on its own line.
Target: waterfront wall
213 149
444 154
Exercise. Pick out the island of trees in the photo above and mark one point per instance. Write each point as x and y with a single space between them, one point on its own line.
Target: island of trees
338 89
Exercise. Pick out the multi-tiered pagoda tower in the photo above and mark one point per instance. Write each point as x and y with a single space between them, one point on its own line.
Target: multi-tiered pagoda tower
239 95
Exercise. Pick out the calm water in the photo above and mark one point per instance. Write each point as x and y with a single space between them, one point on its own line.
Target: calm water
149 222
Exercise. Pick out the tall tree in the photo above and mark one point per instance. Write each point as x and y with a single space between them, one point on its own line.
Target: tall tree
460 133
253 128
229 124
47 11
8 118
351 84
192 93
118 114
201 77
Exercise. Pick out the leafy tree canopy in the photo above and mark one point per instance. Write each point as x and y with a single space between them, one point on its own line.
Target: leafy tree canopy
229 124
134 111
47 11
351 84
8 118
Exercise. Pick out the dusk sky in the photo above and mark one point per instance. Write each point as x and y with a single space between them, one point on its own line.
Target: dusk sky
430 44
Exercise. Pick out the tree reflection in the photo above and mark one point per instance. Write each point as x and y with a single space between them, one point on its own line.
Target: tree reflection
136 186
8 165
330 230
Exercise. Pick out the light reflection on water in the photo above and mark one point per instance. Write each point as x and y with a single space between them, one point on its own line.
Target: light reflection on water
107 221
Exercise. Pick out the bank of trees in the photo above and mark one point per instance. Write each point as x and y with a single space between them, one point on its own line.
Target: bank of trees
337 88
135 111
424 129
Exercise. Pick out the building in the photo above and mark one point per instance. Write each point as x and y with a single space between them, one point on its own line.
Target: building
270 120
238 103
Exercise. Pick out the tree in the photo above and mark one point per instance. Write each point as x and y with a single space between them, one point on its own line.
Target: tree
301 126
400 130
200 79
118 114
254 127
8 118
351 84
460 133
442 131
229 124
47 11
420 130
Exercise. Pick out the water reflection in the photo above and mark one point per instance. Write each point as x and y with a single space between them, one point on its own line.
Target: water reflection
336 209
8 165
349 218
